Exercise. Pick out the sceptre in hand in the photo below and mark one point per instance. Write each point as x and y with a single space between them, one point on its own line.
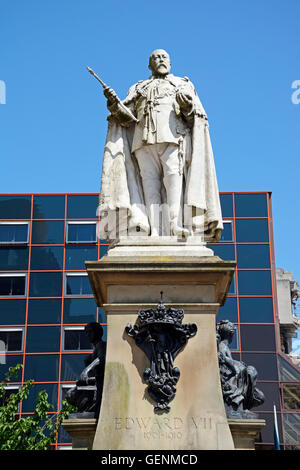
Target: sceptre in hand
105 87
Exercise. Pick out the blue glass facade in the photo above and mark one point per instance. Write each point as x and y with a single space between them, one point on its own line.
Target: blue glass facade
44 291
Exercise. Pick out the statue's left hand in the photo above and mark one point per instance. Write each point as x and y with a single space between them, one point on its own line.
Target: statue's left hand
184 100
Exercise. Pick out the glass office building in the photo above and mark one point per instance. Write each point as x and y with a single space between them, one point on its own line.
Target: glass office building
46 298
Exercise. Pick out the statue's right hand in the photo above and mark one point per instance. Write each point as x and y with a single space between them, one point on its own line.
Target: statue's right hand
111 95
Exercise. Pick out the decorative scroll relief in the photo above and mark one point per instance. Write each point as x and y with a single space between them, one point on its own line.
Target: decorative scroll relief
161 335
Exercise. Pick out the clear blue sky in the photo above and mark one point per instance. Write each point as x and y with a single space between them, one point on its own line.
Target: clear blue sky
242 56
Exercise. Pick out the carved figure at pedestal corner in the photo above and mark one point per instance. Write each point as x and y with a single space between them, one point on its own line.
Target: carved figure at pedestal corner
238 380
87 393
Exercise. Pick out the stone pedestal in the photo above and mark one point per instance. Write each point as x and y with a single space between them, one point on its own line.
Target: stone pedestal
82 432
123 285
244 432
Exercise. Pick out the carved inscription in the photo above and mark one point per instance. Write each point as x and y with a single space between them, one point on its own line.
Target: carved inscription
204 423
164 428
162 435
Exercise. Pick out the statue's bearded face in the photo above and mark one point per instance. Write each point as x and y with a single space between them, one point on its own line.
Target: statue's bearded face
160 63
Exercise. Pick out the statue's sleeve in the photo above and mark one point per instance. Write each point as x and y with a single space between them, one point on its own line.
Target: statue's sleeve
197 105
198 108
188 88
117 111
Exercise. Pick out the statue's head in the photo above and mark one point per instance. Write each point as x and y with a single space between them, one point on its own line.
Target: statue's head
94 332
159 63
226 330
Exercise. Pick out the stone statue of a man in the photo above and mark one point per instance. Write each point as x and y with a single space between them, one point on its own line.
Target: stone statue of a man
164 159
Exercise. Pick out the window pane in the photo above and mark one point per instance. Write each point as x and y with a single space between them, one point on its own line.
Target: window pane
71 342
253 256
226 205
78 285
64 438
12 311
72 365
9 390
47 257
103 250
255 282
45 285
42 367
49 207
76 256
251 205
14 258
228 311
288 372
102 317
252 230
44 311
272 395
13 340
15 207
11 361
43 339
79 310
47 232
12 285
291 396
264 363
13 233
232 288
82 233
76 340
257 338
225 252
256 310
29 404
291 425
82 207
227 232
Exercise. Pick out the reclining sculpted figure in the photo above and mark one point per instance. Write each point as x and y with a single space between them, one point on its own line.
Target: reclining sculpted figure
238 380
87 393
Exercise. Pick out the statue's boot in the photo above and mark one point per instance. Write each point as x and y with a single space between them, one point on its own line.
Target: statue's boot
173 185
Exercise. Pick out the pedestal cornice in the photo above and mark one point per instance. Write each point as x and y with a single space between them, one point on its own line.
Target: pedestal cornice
160 271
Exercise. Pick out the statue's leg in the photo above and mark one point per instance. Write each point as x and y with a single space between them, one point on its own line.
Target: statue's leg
151 174
173 182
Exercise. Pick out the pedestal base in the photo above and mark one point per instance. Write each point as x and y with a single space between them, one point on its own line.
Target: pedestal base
125 284
82 432
159 246
244 432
